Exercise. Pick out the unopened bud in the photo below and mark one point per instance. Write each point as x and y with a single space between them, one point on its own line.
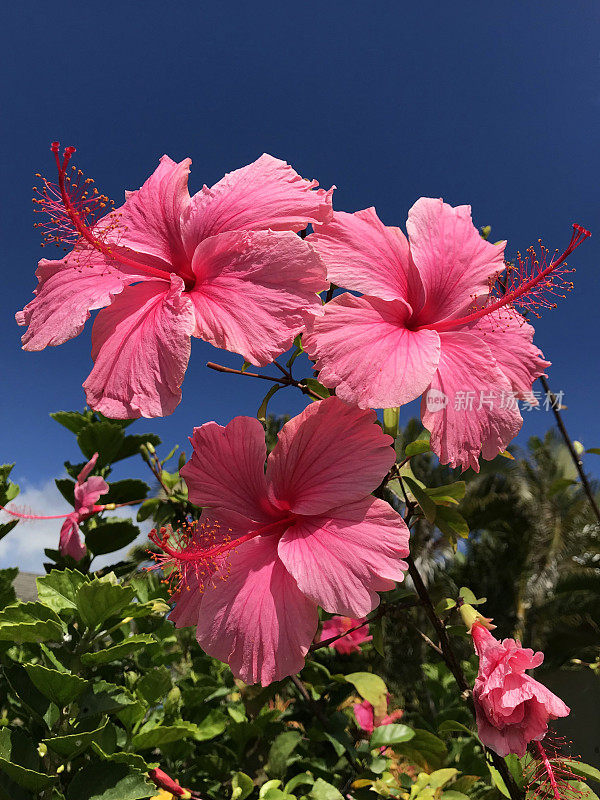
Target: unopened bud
470 616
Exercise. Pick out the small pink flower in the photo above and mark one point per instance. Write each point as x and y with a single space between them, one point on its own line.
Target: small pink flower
224 265
271 547
351 642
87 494
512 708
428 324
366 720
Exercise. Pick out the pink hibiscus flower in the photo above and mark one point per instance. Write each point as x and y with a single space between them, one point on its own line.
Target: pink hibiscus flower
512 708
273 546
224 265
87 494
351 642
366 720
428 324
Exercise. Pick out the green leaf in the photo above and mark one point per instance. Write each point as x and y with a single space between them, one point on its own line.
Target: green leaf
132 443
67 488
155 684
390 734
371 688
280 752
581 790
59 588
467 595
242 785
7 527
9 790
101 599
103 698
318 388
451 523
450 494
7 592
452 794
59 687
120 782
302 779
446 604
131 759
125 648
111 534
324 791
125 491
213 724
103 438
583 770
75 743
261 414
29 622
452 725
20 682
594 450
377 630
424 749
72 420
559 485
163 734
20 761
428 507
391 418
497 780
148 508
420 445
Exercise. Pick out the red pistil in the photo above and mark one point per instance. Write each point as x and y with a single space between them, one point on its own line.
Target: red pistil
74 210
526 285
32 516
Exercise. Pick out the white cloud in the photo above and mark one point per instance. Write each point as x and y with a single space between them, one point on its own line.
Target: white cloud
24 546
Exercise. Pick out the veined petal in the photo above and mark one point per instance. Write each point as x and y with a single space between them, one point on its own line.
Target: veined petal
67 291
363 349
254 291
510 338
69 543
267 194
476 415
256 619
226 470
87 494
361 253
342 559
454 262
330 454
141 347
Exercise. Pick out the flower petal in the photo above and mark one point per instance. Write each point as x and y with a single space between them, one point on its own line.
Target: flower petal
361 253
510 339
268 193
474 416
87 494
66 293
342 559
256 619
364 351
328 455
141 347
454 262
226 470
69 543
254 291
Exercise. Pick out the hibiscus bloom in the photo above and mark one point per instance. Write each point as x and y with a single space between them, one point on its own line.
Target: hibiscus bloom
350 642
367 721
428 324
512 708
87 494
224 265
273 546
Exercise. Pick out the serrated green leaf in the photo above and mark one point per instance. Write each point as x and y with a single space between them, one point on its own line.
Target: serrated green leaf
20 761
425 750
103 698
125 491
101 599
125 648
7 592
73 744
325 791
163 734
371 688
59 687
154 685
131 759
29 622
72 420
67 488
103 438
20 682
120 782
58 589
395 733
132 443
110 535
7 527
282 748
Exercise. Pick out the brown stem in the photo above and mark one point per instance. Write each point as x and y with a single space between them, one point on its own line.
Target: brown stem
379 613
573 453
453 665
286 381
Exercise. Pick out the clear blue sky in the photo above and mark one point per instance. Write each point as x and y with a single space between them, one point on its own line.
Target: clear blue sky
496 105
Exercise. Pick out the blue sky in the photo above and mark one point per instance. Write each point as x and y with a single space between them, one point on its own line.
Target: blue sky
388 100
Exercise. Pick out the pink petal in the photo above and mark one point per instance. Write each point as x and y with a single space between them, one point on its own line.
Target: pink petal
87 469
454 262
66 293
328 455
469 424
187 604
342 559
70 542
361 253
226 470
141 347
256 619
87 494
364 716
510 339
254 290
266 194
363 349
149 221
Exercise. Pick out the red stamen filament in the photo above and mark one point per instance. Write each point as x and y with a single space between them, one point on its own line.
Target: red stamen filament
527 288
81 227
549 771
32 516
